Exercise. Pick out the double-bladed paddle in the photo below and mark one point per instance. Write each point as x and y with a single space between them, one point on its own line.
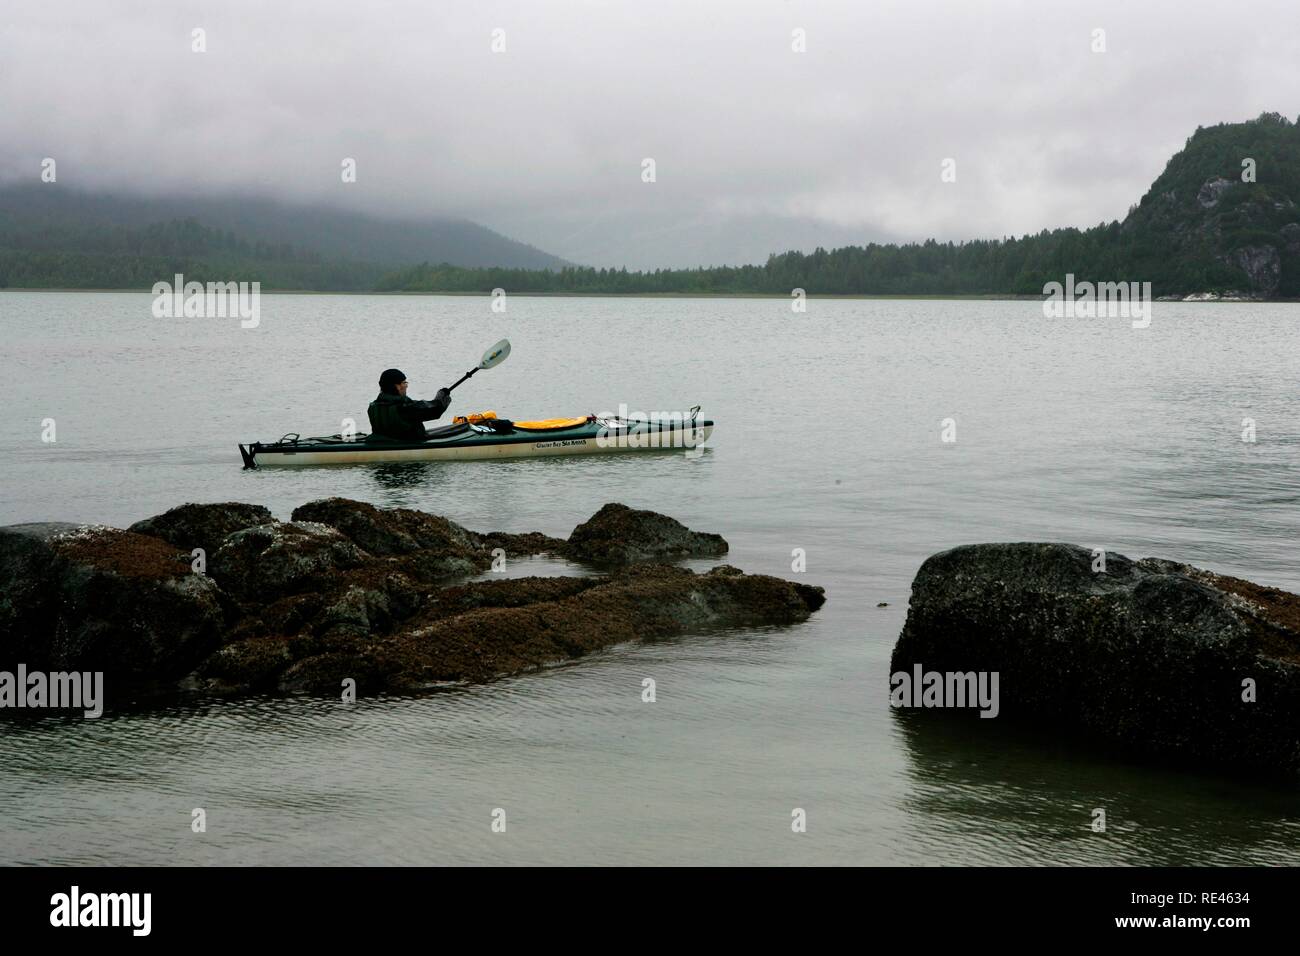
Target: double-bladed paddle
491 358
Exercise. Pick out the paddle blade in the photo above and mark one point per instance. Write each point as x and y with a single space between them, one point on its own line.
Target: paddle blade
495 355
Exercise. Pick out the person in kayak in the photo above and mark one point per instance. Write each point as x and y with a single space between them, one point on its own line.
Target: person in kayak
393 415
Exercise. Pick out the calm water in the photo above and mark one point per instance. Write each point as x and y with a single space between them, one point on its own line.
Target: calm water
828 439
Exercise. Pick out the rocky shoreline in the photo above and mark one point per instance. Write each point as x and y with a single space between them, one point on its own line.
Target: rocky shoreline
224 599
1151 658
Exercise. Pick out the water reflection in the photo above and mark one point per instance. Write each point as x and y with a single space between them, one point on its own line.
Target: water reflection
401 476
990 791
1075 432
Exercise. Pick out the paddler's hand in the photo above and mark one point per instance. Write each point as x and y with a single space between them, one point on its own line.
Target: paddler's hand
443 396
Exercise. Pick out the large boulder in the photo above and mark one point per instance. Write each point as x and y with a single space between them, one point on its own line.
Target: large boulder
436 546
102 599
29 600
204 526
268 561
440 546
252 664
389 531
617 534
1154 657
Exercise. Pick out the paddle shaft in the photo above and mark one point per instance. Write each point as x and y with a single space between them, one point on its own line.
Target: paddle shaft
462 378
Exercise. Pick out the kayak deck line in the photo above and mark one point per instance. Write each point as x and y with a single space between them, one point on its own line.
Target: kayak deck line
487 439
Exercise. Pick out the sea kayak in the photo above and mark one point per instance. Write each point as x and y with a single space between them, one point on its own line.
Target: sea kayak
488 438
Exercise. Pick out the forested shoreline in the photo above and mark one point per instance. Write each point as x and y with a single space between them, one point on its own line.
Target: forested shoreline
1223 217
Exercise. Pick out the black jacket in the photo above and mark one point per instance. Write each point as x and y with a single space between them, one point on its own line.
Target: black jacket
401 418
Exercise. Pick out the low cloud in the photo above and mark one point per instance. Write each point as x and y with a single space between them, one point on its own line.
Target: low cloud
757 148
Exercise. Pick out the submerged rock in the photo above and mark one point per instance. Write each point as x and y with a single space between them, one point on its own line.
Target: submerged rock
617 534
1154 657
506 636
348 590
518 545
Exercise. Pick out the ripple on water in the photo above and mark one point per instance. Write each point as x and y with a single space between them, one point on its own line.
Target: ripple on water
1076 432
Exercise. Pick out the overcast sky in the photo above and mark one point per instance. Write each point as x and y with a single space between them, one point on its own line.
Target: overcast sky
757 148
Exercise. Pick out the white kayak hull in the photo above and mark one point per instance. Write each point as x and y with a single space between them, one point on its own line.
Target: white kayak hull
646 436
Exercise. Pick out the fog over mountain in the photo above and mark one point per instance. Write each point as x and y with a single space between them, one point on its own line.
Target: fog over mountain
757 148
60 212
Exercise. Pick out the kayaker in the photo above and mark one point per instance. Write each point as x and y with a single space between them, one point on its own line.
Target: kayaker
393 415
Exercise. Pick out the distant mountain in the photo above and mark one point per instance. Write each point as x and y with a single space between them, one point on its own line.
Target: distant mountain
1205 225
1201 227
106 232
1224 216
